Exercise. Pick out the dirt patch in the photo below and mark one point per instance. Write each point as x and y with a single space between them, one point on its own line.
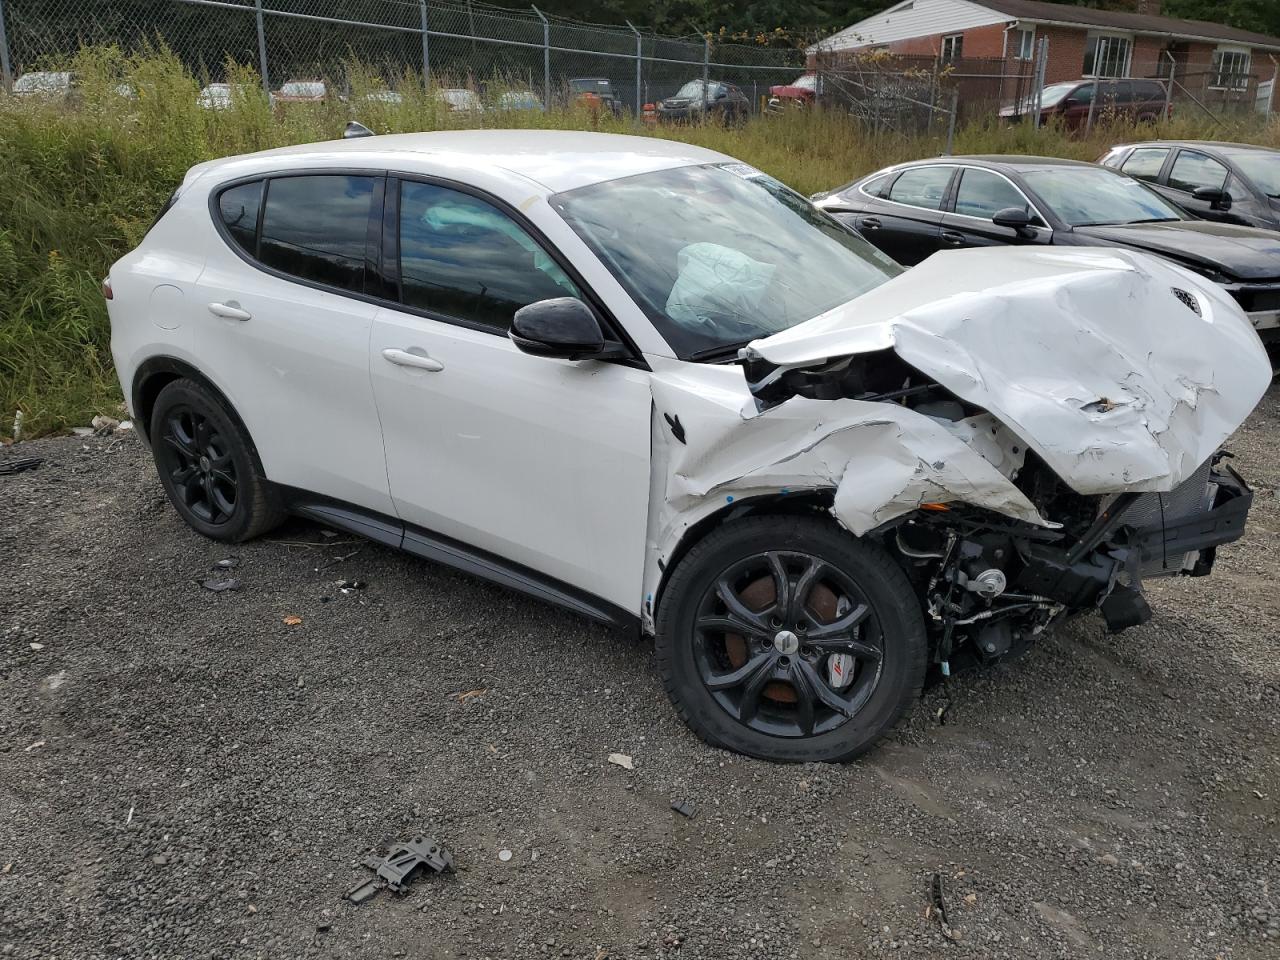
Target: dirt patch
183 773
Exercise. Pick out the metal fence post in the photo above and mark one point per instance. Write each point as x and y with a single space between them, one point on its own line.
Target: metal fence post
1168 87
1042 60
426 46
262 48
706 71
951 122
1093 103
1275 74
6 69
546 59
639 56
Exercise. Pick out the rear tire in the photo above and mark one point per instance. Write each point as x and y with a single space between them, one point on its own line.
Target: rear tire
208 465
745 688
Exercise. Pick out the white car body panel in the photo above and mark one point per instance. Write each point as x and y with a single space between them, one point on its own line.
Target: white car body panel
544 462
572 469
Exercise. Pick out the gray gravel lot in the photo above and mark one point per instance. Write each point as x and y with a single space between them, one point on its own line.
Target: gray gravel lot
184 774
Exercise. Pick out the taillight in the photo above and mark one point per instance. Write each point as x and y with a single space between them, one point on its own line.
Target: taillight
106 289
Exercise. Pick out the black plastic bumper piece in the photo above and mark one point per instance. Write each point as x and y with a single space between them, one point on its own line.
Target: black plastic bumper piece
1125 607
1222 523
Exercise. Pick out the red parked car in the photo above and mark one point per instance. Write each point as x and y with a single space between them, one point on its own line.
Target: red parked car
801 92
1143 101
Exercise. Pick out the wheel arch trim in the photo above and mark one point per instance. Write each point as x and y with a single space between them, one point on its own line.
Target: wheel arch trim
154 373
808 502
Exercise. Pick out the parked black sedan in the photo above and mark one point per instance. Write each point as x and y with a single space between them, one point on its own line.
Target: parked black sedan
916 209
1228 182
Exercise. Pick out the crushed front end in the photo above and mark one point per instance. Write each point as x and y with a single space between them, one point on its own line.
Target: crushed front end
990 584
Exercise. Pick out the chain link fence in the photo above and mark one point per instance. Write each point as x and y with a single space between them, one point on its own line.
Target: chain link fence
546 60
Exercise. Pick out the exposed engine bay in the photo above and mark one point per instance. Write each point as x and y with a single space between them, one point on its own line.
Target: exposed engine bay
993 583
1028 445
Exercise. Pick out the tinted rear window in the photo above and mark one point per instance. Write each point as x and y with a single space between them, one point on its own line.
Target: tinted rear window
317 227
238 207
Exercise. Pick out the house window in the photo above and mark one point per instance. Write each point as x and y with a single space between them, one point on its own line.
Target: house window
1024 44
953 46
1107 56
1230 69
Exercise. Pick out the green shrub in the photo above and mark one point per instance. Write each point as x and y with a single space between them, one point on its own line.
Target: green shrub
83 180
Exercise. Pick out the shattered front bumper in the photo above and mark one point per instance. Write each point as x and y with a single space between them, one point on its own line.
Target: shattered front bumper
1180 540
1139 537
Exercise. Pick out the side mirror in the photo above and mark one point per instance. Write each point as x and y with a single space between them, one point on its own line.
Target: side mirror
562 327
1016 218
1216 198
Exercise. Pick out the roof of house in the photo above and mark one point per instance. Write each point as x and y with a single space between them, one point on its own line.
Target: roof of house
1123 20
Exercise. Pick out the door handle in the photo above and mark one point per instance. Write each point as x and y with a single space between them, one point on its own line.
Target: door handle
950 236
870 223
405 358
231 310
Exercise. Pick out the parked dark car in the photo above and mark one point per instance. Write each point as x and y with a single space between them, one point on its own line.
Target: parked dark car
595 92
1143 101
916 209
723 102
1229 182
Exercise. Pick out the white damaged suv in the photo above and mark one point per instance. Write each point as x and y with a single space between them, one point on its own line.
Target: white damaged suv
652 385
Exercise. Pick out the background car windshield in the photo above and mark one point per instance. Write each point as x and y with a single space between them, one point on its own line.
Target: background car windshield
1055 93
1093 196
1262 168
691 89
720 255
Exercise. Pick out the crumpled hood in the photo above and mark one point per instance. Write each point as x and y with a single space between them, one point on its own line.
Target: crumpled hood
1245 253
1086 355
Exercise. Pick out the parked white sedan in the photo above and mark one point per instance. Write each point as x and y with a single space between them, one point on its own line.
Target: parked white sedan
651 384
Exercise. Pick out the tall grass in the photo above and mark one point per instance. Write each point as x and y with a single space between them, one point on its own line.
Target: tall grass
80 182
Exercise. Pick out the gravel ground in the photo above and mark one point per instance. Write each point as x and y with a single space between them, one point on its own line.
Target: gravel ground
183 773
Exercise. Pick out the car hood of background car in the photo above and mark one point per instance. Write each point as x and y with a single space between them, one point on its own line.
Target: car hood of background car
1088 356
1246 253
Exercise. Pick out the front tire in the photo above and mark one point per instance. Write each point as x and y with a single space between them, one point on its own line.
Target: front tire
208 466
785 638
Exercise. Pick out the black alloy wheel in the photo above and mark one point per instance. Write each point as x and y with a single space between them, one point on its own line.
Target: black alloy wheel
773 632
786 638
199 463
208 465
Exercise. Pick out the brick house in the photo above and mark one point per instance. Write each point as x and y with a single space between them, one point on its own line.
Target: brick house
1209 59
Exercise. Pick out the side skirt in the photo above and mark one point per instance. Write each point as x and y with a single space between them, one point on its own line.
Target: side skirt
437 548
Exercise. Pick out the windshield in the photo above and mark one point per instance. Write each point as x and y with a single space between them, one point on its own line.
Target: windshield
601 87
459 98
1054 94
302 88
519 100
1263 168
693 89
1095 197
807 82
720 255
